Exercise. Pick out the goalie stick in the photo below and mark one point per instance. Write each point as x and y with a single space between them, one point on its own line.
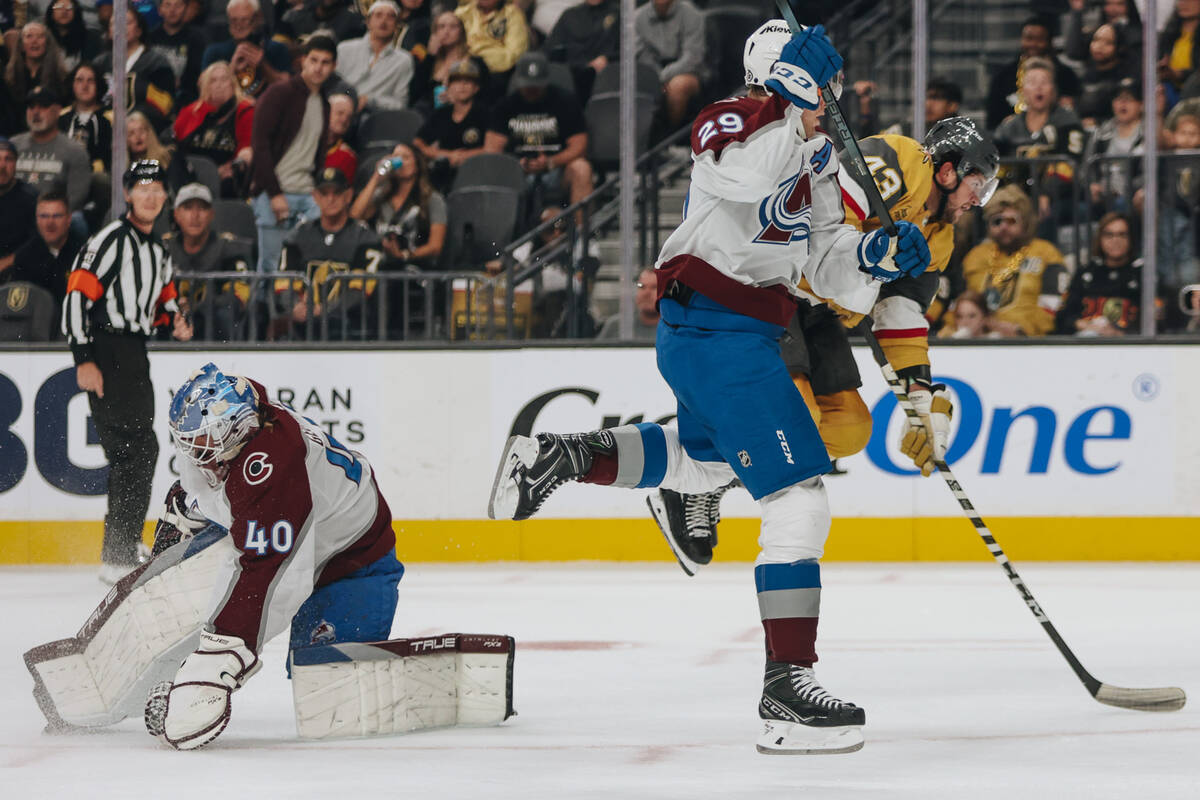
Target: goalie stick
1161 699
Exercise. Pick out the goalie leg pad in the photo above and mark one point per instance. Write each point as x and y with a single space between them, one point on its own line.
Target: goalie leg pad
402 685
138 635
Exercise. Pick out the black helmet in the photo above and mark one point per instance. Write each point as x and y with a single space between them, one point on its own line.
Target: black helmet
959 141
144 172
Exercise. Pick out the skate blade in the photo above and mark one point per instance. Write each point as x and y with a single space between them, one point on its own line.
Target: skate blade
519 451
791 739
659 512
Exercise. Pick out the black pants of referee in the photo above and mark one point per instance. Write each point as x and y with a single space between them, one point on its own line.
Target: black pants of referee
124 420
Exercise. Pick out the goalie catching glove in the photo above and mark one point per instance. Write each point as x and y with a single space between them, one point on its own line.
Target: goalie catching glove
194 709
179 521
926 443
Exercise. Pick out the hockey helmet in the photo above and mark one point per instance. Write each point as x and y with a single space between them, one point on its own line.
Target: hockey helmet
212 416
144 171
960 141
763 49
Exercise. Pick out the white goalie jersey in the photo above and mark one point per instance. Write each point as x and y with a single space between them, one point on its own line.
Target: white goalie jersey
301 510
764 209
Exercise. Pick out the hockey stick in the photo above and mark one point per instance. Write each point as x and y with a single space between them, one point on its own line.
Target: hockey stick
1162 699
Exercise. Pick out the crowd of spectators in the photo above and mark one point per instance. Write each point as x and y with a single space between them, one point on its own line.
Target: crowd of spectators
1058 249
253 103
268 97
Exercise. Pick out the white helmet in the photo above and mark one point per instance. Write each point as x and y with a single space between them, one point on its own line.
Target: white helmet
763 49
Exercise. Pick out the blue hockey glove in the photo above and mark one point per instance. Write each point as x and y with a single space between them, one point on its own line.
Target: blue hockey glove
795 85
887 259
811 51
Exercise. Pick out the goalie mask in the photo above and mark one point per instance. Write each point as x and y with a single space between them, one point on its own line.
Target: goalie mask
212 416
763 49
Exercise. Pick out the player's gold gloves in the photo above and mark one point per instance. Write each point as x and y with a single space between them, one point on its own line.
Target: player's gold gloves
927 443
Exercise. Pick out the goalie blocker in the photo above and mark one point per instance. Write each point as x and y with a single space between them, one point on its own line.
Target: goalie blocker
353 690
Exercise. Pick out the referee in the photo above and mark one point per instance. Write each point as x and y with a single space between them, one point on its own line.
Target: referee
119 289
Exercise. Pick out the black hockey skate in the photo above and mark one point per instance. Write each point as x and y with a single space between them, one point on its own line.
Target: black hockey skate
800 717
689 523
533 467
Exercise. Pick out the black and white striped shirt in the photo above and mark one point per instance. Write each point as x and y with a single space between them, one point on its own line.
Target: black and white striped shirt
121 281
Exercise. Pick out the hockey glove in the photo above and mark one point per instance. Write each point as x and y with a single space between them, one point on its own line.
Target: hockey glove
795 85
179 521
933 405
811 51
194 709
886 259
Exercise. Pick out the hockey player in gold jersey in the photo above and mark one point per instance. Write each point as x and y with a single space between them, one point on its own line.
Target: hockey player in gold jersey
930 184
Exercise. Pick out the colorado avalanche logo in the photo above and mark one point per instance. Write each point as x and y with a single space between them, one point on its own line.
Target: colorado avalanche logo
256 468
786 214
323 633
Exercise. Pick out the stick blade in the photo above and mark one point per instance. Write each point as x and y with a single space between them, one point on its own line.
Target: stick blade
1168 698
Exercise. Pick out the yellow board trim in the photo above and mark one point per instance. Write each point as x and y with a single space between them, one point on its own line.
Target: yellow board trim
874 539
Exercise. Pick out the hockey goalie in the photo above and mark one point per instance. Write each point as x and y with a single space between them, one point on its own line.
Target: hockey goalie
273 525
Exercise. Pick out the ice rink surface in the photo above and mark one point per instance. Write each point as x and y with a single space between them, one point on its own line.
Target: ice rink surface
634 681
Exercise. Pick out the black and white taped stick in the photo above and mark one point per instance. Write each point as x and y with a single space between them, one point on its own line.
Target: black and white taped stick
1163 699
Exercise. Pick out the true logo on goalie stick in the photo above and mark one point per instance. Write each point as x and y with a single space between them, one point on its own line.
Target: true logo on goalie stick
256 468
423 645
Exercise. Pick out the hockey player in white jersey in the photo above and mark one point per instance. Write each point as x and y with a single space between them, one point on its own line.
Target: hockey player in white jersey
316 550
764 211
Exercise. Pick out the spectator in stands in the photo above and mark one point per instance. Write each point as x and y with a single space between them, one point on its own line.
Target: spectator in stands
332 244
338 16
84 122
1177 53
256 60
17 204
143 142
1105 294
407 213
1004 90
46 258
181 44
970 317
543 126
197 248
341 155
77 43
455 131
46 158
1106 66
379 71
497 33
35 61
1179 204
1044 128
413 28
645 321
545 15
942 99
447 47
550 316
148 73
1111 181
219 126
670 37
1081 23
291 124
1022 278
587 38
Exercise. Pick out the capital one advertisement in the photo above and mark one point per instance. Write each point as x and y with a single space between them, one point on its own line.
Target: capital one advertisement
1073 431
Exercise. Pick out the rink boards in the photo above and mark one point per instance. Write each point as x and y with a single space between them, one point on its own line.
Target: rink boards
1071 452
